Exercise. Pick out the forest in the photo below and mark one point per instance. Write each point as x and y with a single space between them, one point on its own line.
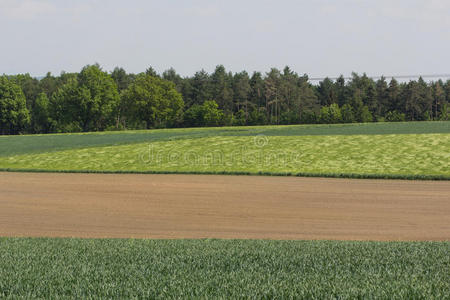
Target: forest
97 100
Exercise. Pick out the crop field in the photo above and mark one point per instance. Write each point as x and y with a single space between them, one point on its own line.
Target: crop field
76 268
74 235
214 206
378 150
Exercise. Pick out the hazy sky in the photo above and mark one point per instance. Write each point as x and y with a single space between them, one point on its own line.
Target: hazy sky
320 38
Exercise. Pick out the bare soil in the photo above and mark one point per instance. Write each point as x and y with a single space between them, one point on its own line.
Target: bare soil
198 206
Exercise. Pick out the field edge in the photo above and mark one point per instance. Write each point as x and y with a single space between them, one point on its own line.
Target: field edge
281 174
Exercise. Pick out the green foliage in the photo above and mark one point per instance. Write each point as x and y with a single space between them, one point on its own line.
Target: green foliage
288 150
30 87
395 116
366 116
327 93
445 112
257 117
193 117
360 111
330 114
121 78
152 100
308 117
212 116
40 118
347 114
86 103
207 114
14 115
69 106
239 118
129 268
221 88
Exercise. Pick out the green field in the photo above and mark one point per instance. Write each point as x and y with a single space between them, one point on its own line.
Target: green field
76 268
129 268
374 150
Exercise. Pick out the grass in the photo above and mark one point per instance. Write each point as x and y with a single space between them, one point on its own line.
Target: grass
77 268
418 150
396 155
28 144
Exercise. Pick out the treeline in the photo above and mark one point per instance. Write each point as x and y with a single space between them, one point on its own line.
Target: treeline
95 100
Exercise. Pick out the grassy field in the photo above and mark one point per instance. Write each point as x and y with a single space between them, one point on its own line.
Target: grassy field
359 154
25 144
75 268
385 150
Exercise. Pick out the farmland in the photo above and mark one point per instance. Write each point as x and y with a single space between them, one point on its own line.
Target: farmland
73 235
57 268
394 150
214 206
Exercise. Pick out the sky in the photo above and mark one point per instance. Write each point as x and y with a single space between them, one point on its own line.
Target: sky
319 38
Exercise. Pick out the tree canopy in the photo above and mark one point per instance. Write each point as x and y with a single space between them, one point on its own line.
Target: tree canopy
151 102
88 102
96 100
14 115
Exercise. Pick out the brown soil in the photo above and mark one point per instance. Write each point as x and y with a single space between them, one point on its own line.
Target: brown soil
197 206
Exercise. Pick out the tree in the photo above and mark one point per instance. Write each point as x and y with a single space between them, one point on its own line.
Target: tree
294 95
200 89
330 114
361 112
342 92
365 87
241 91
382 94
445 112
14 115
394 100
193 117
272 93
256 96
395 116
94 100
425 100
88 102
40 115
438 98
212 115
70 108
326 92
151 102
222 91
308 103
151 71
121 78
172 75
366 116
49 84
357 105
372 98
207 114
347 114
447 90
30 87
257 117
411 95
